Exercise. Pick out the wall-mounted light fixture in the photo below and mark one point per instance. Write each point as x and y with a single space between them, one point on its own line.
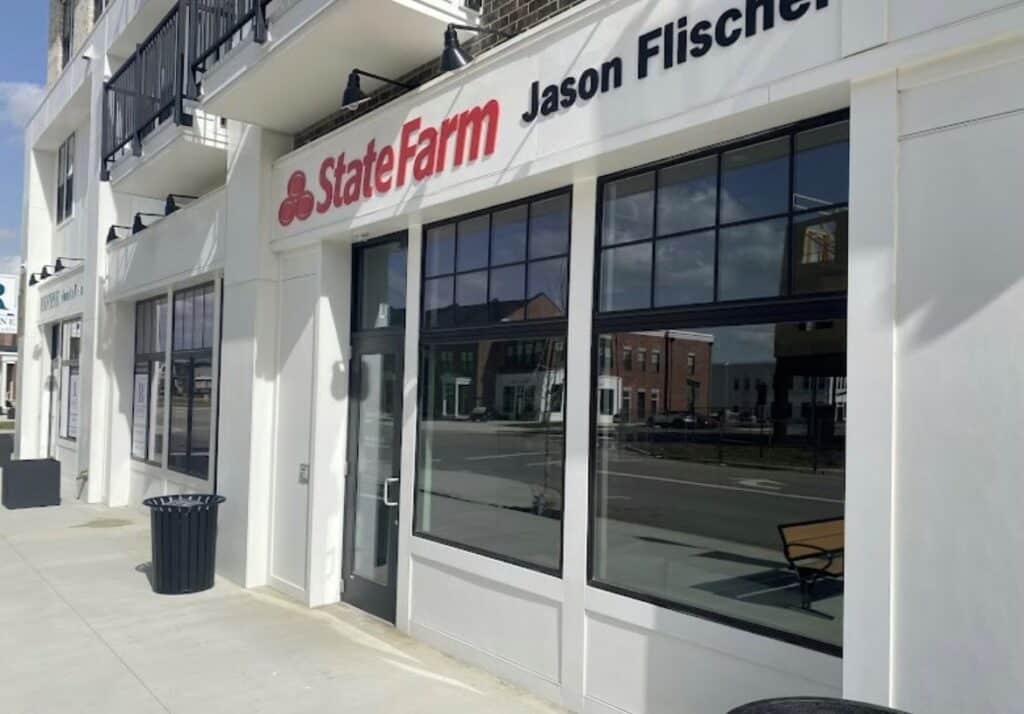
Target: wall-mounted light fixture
112 233
138 226
45 272
354 95
59 265
453 57
171 205
34 278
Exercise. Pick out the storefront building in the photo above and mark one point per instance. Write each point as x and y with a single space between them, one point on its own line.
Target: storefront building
654 360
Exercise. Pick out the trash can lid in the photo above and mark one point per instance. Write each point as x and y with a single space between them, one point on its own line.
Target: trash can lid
811 705
184 500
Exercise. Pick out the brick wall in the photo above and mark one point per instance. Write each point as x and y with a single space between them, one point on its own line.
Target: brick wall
511 16
84 21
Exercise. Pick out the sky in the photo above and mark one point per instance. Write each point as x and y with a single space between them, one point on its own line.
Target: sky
22 76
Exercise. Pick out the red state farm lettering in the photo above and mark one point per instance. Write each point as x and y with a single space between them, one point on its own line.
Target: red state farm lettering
421 152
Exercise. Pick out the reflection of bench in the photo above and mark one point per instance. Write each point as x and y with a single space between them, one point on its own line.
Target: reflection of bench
814 550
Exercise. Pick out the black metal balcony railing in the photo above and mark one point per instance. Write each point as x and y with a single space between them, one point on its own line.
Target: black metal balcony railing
147 89
215 25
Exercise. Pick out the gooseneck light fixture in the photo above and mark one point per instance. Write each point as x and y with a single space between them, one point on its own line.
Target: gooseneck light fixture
354 95
171 204
138 226
33 279
453 57
59 265
112 233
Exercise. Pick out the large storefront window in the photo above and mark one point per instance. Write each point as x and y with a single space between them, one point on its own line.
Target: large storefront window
191 381
148 402
492 411
719 449
719 228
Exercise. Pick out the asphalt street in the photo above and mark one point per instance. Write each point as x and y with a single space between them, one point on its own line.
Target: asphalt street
729 503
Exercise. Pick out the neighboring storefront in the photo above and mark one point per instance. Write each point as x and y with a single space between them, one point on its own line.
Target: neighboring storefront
620 362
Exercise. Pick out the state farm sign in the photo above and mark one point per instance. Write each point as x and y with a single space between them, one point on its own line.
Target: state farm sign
421 152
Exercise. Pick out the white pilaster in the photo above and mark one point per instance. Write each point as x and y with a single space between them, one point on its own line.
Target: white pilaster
874 162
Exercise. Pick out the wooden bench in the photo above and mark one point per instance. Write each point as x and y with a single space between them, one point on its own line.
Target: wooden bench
814 550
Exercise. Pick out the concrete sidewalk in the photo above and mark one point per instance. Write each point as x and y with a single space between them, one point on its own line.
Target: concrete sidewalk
81 632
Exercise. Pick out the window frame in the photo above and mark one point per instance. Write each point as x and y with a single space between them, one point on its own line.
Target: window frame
526 324
65 208
555 329
792 131
67 32
788 308
71 367
150 359
193 355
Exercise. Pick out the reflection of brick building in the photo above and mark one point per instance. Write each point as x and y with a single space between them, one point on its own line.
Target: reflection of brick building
657 372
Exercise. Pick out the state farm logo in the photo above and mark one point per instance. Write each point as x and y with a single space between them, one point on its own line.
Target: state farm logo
299 203
420 153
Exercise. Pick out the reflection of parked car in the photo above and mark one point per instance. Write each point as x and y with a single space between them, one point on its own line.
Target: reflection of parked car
681 420
480 414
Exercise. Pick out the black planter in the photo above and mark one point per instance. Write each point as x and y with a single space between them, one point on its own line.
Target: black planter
184 537
31 483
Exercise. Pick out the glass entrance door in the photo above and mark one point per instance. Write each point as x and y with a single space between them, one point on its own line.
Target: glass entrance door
372 487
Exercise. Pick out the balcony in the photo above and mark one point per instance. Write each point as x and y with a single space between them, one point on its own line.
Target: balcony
154 141
282 64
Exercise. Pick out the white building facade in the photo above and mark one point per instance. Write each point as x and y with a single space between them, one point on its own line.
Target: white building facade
543 359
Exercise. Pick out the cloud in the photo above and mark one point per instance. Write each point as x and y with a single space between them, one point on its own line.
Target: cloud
10 264
18 102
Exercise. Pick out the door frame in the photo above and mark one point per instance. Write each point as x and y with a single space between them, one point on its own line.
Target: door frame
376 599
372 341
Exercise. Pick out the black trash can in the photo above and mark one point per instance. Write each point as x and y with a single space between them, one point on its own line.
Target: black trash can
811 705
184 536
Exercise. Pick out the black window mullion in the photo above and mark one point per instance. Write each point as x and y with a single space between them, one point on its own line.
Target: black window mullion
654 238
188 412
787 252
718 226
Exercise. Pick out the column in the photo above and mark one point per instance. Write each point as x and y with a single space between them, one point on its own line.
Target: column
874 152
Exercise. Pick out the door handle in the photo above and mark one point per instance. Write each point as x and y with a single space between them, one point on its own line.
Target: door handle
303 473
387 493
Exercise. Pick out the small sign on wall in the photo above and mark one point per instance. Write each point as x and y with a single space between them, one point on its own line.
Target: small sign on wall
9 304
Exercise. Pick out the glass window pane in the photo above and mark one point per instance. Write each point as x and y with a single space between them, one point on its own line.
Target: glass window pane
626 278
196 300
548 292
628 210
474 238
549 227
381 279
481 399
471 298
202 418
820 252
508 290
140 411
180 342
665 528
508 236
157 422
181 374
688 196
755 181
439 302
752 260
440 251
685 270
822 171
208 314
160 316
